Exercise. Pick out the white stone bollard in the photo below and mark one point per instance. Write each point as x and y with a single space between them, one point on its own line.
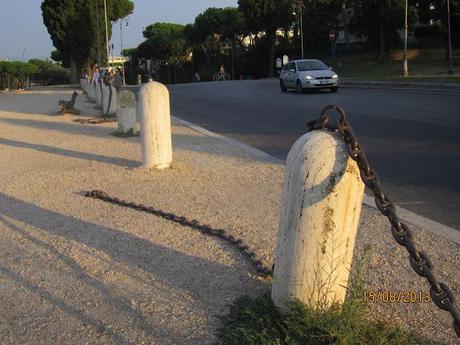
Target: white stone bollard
322 199
98 95
109 100
91 91
126 113
93 87
155 121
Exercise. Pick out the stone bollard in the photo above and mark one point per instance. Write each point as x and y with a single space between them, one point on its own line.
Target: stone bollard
155 121
90 91
109 100
321 205
98 95
126 113
93 91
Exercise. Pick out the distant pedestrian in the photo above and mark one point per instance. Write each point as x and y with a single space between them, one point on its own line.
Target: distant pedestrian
96 75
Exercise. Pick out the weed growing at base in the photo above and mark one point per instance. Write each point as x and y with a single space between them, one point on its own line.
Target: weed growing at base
128 134
257 321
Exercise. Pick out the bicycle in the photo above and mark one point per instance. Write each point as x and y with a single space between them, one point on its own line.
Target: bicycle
220 76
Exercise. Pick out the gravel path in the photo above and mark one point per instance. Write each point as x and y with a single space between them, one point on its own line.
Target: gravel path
74 270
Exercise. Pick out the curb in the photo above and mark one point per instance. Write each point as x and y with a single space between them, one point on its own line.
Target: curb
252 150
426 86
429 225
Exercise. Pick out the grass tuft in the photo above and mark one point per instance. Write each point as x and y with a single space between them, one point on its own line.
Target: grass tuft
128 134
257 321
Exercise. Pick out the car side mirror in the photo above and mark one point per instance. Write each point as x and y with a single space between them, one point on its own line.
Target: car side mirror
291 70
330 68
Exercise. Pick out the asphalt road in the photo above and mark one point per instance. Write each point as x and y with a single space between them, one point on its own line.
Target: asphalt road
412 137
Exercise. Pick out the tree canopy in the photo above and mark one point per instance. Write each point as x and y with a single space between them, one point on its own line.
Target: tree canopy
72 26
165 43
379 21
225 22
267 16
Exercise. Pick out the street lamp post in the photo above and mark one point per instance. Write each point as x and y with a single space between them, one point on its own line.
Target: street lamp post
405 67
451 69
98 35
106 32
301 30
298 5
121 47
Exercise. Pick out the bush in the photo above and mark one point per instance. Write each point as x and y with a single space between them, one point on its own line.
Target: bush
49 73
15 74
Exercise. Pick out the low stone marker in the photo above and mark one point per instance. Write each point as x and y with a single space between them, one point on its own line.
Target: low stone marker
155 121
90 91
126 113
109 100
98 95
320 212
83 86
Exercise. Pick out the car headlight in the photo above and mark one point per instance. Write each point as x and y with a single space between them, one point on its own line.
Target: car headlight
335 76
307 77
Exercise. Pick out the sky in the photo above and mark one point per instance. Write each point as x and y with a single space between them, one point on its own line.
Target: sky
23 35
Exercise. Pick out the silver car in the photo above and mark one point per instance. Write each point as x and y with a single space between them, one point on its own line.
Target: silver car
308 74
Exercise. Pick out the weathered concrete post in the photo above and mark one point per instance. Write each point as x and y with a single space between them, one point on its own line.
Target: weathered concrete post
98 95
109 100
91 91
126 113
155 121
322 199
83 85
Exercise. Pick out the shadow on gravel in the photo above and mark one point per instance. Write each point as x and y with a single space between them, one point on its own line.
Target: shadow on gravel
62 305
27 102
209 282
73 128
70 153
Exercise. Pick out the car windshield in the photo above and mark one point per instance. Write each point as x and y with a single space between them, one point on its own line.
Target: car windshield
311 65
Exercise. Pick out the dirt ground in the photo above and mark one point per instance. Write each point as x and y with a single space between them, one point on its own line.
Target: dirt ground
75 270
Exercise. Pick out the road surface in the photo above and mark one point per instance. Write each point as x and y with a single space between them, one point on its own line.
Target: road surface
412 137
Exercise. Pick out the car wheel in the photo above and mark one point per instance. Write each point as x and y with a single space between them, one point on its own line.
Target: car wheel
334 89
282 87
299 86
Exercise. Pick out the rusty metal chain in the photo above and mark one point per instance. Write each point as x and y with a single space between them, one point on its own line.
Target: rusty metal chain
95 120
191 223
440 293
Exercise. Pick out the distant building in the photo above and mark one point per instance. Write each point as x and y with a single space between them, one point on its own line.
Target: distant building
118 60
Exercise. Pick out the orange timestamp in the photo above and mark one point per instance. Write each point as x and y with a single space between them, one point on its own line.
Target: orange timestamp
404 296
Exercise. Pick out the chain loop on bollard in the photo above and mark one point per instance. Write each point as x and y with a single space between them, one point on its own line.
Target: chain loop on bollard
440 293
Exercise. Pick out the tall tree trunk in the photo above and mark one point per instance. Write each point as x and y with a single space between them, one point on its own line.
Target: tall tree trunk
381 33
382 43
271 55
73 71
206 54
233 61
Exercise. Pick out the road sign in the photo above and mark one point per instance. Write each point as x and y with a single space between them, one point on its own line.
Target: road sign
332 35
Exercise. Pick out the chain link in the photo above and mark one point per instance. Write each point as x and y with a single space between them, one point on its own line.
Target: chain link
440 293
95 120
191 223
